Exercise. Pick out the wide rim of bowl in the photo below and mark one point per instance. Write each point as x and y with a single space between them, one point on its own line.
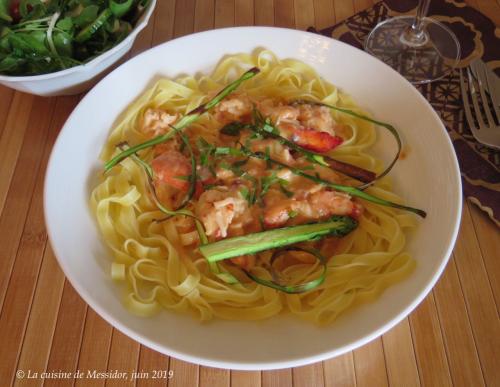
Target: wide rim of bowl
141 24
278 364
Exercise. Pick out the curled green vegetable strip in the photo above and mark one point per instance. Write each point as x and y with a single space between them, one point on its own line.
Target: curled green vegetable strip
353 191
266 129
293 289
185 121
150 175
389 127
214 267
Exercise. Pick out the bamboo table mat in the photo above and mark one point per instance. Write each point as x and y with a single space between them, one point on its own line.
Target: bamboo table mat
452 338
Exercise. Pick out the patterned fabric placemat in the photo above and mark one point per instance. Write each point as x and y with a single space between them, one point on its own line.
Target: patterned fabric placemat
479 38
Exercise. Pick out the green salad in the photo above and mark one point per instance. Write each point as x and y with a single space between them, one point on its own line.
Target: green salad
44 36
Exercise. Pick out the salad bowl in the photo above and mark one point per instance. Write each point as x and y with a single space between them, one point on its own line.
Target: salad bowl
80 78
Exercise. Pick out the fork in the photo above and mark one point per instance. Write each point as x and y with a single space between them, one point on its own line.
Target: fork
484 91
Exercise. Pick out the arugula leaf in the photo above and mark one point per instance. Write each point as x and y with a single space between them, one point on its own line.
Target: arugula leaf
120 8
65 24
27 44
87 16
31 9
4 11
9 63
63 43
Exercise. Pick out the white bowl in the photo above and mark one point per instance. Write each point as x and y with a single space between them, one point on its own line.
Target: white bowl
77 79
428 178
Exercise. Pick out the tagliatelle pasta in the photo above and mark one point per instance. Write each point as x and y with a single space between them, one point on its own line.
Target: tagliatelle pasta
159 262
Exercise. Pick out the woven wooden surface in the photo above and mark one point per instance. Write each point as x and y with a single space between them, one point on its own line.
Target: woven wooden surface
452 338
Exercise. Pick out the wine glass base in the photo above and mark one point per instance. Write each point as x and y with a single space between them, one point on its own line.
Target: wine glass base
426 58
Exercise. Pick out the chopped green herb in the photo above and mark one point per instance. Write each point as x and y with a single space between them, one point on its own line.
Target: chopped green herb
261 221
182 147
206 152
245 192
268 154
267 182
254 136
236 167
287 193
220 151
233 128
240 163
224 165
320 160
209 186
253 192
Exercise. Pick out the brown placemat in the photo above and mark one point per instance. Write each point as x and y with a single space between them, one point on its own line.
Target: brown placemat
479 38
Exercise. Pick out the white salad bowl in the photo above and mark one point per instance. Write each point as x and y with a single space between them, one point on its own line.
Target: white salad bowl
427 178
80 78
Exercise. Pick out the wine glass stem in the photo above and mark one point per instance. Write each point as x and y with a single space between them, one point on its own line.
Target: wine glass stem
418 23
415 35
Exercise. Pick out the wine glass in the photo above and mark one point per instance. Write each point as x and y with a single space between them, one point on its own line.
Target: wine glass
419 48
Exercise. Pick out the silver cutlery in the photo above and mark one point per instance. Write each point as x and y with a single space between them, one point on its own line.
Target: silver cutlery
481 98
